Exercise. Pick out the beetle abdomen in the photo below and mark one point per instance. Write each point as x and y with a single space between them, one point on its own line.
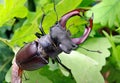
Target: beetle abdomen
30 57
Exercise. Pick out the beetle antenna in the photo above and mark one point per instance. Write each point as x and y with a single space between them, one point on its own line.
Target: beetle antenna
55 10
90 50
40 26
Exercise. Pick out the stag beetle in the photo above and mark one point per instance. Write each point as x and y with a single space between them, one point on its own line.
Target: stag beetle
36 54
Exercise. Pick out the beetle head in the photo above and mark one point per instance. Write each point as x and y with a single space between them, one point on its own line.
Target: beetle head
62 39
61 36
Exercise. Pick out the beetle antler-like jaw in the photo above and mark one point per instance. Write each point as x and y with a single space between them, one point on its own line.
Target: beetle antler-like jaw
86 32
70 14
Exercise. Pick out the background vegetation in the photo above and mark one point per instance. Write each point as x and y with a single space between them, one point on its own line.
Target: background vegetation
19 21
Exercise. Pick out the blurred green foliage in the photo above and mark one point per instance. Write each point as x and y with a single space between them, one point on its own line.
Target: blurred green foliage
19 21
6 55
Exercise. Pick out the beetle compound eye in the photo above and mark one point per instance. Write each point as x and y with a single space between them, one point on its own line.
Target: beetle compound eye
65 49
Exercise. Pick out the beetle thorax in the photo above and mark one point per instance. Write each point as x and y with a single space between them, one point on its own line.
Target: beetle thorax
48 45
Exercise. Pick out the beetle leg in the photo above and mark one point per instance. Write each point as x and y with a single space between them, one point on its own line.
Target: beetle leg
38 34
69 70
25 43
40 27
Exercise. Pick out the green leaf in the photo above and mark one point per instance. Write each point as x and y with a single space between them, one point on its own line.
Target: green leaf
8 76
114 75
106 12
12 8
47 76
97 44
115 51
83 68
86 3
111 72
116 39
6 42
24 34
42 75
34 76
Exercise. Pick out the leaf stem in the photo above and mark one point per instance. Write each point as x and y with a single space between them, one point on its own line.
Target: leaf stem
6 42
